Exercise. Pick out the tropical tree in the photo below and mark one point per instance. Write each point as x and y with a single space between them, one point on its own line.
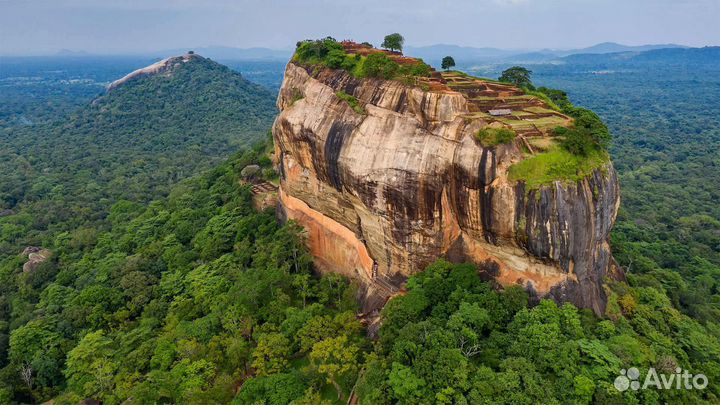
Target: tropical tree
311 397
335 357
393 42
271 354
89 368
447 62
518 76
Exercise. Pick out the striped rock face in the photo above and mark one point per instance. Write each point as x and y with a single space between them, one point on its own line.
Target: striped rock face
387 189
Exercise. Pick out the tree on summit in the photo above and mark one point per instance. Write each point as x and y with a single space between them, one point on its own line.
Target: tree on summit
518 76
447 62
393 42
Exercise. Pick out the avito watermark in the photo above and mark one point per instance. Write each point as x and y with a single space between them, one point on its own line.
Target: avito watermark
681 380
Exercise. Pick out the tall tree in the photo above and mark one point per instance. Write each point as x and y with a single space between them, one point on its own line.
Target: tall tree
393 42
333 358
448 62
271 354
518 76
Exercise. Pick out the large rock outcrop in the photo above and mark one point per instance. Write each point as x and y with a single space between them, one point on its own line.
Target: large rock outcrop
385 191
35 257
164 66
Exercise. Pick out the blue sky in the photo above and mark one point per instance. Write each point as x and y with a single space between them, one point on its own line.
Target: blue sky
117 26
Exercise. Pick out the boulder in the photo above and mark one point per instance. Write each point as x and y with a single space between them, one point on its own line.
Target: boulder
35 257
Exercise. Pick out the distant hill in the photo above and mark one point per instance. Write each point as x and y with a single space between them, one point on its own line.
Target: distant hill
706 55
532 57
605 48
669 56
151 131
433 54
613 47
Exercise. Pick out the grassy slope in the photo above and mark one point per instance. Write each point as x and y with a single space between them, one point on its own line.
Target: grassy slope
556 164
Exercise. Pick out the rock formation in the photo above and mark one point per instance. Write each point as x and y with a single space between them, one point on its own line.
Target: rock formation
36 256
386 190
163 66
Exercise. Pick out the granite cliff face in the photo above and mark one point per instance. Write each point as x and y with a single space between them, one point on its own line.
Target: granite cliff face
388 188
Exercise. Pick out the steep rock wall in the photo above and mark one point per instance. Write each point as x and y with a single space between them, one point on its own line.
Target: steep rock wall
387 192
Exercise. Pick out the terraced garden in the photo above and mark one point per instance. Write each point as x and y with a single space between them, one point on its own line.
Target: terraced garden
533 120
492 101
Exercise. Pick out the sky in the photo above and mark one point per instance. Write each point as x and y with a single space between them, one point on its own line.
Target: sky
136 26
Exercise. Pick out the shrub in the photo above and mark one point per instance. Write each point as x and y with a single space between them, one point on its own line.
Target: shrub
489 137
316 51
330 53
557 97
350 99
575 141
588 133
335 58
297 95
380 66
591 123
350 62
420 69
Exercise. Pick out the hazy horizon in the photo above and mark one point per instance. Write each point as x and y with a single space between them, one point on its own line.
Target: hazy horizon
42 27
290 49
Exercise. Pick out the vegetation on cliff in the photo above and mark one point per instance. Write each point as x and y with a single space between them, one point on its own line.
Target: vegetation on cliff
555 164
490 137
580 148
352 102
330 53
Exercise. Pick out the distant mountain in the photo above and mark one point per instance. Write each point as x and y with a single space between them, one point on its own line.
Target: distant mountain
605 48
613 47
706 55
433 54
532 57
668 56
